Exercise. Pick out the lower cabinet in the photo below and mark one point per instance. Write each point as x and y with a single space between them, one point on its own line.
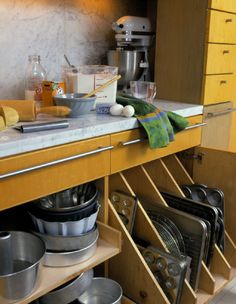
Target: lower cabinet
145 183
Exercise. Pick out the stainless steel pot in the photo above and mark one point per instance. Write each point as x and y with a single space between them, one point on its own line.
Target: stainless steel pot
26 256
102 290
128 63
69 291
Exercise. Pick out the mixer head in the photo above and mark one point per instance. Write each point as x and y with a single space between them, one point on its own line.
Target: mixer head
133 31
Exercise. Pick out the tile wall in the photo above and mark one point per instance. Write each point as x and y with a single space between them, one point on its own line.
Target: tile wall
81 29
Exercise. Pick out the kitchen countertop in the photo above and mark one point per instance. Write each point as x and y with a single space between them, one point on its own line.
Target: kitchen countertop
87 126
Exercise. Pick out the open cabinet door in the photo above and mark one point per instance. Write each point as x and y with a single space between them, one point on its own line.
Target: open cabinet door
217 169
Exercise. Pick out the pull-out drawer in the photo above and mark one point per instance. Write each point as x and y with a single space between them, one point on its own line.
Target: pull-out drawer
219 88
131 147
221 59
222 27
31 175
226 5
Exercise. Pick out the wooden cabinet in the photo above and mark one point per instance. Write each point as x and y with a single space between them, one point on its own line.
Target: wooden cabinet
195 51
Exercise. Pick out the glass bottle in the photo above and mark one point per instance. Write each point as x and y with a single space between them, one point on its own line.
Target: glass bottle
35 75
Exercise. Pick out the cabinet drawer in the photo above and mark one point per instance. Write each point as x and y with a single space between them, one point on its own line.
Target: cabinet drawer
132 149
76 163
222 28
221 58
225 5
219 88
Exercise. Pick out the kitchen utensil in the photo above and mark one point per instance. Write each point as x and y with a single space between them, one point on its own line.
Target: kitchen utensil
193 231
76 102
74 70
67 228
69 258
170 271
44 126
28 111
102 290
125 206
69 291
70 199
103 86
144 90
200 210
68 243
6 259
27 251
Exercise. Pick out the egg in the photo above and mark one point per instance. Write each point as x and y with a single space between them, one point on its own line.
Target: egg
116 109
128 111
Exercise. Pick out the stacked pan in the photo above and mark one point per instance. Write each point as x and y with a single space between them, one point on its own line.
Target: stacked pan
66 221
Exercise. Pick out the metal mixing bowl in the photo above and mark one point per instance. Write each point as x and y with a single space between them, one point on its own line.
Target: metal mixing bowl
26 252
76 103
102 290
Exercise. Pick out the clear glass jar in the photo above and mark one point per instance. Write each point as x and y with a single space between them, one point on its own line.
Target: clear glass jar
35 75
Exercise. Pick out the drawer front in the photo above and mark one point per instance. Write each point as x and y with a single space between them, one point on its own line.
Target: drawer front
221 58
219 88
124 156
224 5
222 28
89 164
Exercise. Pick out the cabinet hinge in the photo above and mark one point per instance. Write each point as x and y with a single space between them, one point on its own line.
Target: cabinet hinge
188 155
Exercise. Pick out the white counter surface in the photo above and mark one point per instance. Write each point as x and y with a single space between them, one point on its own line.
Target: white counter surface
87 126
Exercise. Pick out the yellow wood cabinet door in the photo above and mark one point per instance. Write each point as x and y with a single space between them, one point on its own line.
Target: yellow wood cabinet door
232 144
90 159
222 27
224 5
131 148
216 134
219 88
220 58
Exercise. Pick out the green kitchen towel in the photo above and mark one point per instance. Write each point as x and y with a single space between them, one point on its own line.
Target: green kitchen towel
160 126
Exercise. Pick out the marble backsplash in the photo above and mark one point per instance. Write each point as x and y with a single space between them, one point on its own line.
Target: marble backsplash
81 29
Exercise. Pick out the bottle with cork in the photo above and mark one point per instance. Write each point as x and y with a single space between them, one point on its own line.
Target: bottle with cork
35 75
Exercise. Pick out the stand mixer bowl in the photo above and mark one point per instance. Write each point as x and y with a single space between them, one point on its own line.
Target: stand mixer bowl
128 63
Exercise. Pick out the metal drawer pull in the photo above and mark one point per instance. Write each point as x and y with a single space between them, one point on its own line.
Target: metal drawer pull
218 113
201 124
225 51
229 20
131 142
223 82
55 162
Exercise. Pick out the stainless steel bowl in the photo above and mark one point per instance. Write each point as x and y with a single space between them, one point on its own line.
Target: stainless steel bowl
26 256
68 243
69 291
77 104
102 290
128 63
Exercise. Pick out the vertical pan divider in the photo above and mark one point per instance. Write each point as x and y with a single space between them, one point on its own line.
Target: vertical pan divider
142 185
230 250
162 177
219 264
177 170
138 282
206 281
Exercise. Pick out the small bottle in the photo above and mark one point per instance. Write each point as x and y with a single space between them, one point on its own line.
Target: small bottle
35 75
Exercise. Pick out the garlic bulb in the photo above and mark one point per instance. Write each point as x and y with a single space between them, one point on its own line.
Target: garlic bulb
116 109
128 111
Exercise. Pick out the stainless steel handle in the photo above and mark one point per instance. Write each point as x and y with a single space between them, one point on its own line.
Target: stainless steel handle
201 124
131 142
55 162
218 113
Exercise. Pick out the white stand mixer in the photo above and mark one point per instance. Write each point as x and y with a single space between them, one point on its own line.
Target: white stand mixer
134 37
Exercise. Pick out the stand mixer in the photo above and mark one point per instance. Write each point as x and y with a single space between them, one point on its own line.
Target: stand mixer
133 38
